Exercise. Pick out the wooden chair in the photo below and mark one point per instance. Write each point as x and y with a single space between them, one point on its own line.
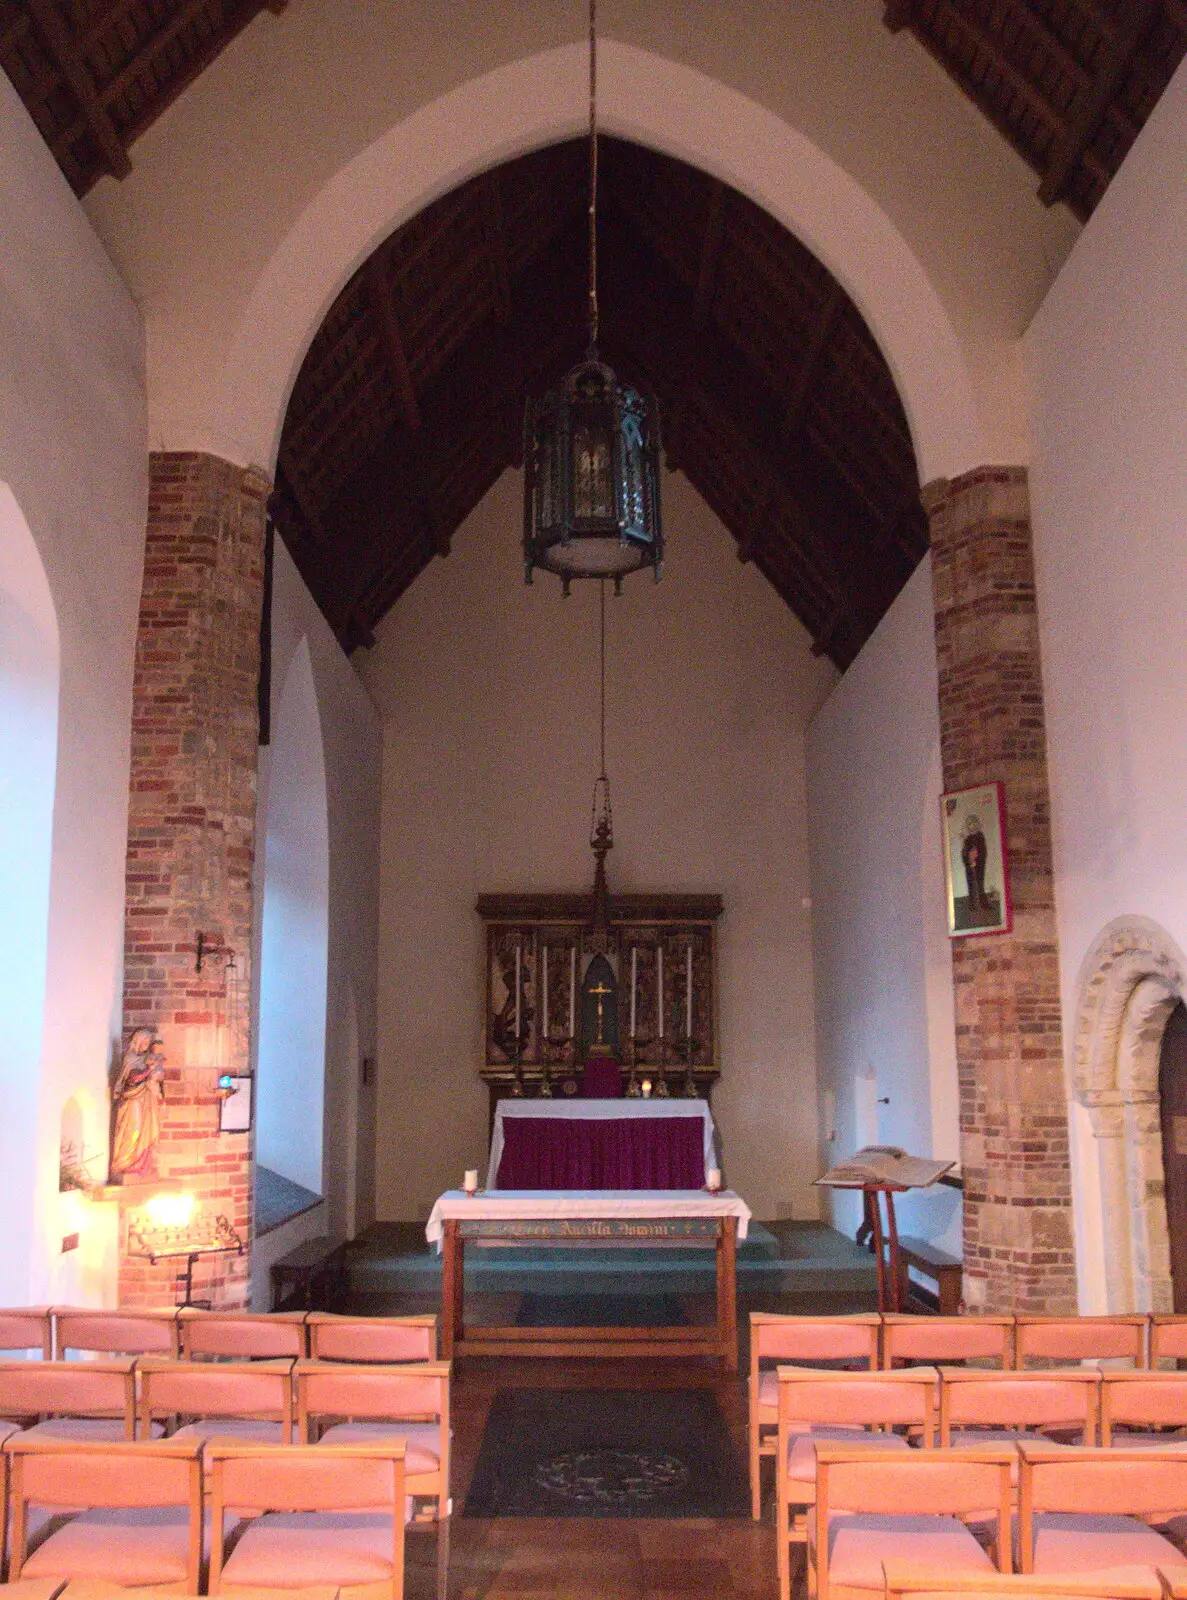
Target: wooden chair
251 1401
371 1339
1084 1511
140 1520
868 1511
1143 1405
295 1497
817 1408
242 1335
1001 1408
27 1328
940 1341
115 1333
904 1583
1070 1340
91 1400
815 1341
1168 1338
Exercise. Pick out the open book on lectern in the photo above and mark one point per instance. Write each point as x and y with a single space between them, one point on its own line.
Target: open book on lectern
884 1163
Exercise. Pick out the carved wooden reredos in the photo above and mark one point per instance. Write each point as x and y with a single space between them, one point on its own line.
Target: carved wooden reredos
645 933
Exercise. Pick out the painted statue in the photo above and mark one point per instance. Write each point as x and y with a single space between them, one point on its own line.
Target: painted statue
137 1097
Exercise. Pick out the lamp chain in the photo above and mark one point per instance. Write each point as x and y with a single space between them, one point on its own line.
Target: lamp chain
593 178
602 603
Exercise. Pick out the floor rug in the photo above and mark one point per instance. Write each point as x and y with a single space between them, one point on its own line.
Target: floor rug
606 1453
600 1311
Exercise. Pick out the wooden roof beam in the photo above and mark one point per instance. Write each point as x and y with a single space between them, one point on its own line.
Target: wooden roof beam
380 291
74 69
496 242
814 351
301 493
985 40
1125 39
710 252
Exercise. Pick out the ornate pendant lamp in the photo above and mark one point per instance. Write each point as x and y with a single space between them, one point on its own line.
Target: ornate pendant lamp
591 448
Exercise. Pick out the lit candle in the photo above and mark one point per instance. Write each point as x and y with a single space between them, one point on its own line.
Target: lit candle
659 990
634 983
470 1181
688 992
572 991
545 1008
518 989
713 1180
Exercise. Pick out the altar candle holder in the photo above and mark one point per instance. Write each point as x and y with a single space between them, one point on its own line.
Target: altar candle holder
662 1092
545 1081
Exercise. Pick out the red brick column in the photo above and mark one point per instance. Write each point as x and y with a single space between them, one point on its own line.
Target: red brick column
1018 1251
191 836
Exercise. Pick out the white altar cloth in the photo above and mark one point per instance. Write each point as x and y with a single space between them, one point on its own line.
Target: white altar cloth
601 1110
518 1204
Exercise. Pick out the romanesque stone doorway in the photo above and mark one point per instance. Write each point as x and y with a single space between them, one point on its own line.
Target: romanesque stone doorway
1172 1090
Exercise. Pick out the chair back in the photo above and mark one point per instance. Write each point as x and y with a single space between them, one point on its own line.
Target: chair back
1142 1399
419 1391
117 1333
86 1476
30 1389
1168 1338
27 1328
1147 1484
243 1335
312 1478
868 1399
971 1399
261 1390
949 1483
338 1338
813 1340
936 1340
1073 1339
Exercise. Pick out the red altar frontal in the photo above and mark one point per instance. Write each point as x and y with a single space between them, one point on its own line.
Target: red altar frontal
602 1144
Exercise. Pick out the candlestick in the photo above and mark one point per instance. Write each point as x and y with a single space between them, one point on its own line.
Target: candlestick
634 984
518 990
688 991
573 994
544 1034
659 991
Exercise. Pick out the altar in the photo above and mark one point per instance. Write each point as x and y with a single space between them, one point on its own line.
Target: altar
602 1144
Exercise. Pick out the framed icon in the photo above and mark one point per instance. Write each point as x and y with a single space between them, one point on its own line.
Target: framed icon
976 865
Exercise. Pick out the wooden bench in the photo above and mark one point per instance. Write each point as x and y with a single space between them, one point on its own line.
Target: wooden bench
313 1276
943 1270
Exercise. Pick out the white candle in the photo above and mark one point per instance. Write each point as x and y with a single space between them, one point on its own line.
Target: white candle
518 990
659 991
572 991
544 1034
470 1181
688 992
713 1180
634 983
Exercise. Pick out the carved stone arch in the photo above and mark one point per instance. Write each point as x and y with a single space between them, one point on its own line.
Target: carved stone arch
1132 979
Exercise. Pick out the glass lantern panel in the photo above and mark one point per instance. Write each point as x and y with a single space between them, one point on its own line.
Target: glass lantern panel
593 474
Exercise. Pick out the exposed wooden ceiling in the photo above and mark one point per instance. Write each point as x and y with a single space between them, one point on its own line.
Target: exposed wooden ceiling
775 400
95 74
1069 83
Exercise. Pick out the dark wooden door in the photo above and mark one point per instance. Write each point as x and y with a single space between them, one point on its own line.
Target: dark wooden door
1172 1087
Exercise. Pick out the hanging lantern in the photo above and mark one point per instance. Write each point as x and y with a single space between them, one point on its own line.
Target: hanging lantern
591 480
591 448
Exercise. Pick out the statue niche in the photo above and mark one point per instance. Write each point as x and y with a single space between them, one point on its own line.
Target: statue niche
599 1012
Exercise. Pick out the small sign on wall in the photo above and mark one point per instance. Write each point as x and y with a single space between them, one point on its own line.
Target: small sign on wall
234 1113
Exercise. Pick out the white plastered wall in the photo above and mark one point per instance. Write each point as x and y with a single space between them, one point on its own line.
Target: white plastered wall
73 452
488 692
240 221
351 742
1107 355
884 1012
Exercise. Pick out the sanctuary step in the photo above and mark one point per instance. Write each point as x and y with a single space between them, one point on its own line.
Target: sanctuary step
775 1258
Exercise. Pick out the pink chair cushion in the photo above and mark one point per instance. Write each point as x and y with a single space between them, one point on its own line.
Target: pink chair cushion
293 1549
1149 1441
1083 1544
147 1545
8 1428
801 1455
243 1430
423 1440
935 1547
101 1429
